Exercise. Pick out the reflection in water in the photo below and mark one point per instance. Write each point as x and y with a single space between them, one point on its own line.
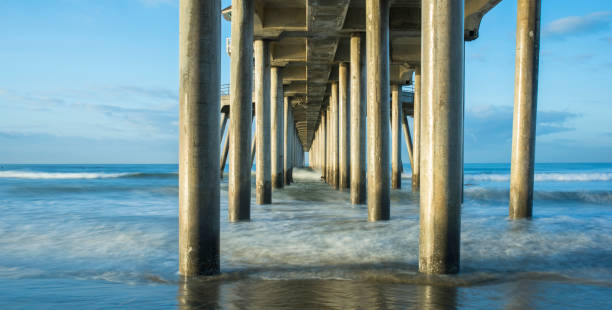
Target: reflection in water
197 293
521 295
437 297
257 293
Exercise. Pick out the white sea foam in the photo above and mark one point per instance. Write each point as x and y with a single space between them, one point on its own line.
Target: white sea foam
16 174
543 177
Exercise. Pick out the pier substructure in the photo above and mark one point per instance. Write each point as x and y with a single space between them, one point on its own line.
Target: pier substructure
525 108
335 163
262 122
241 109
200 73
441 144
396 138
276 109
358 135
377 42
344 128
416 150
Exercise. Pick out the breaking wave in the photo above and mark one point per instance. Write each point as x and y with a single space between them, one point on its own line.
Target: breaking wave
543 177
16 174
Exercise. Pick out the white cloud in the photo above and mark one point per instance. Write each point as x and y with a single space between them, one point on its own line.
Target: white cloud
576 25
157 2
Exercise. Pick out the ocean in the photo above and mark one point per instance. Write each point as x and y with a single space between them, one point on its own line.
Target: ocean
106 237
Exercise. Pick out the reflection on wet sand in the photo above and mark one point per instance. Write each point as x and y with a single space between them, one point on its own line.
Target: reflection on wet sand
257 293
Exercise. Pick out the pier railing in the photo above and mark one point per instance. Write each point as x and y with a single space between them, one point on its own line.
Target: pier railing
225 88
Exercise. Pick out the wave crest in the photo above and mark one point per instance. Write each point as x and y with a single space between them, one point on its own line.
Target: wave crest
544 177
14 174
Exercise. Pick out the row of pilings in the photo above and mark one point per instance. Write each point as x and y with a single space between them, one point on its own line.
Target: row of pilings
438 152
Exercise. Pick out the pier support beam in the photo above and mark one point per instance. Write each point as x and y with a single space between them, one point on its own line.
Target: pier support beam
277 101
396 138
408 139
262 122
358 146
377 42
241 109
344 128
200 74
224 119
441 144
223 158
525 108
335 130
416 150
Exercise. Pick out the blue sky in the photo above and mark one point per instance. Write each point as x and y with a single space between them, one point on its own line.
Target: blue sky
97 81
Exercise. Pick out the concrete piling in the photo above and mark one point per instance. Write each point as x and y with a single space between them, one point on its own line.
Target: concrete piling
276 111
344 128
200 74
262 122
323 149
335 140
416 150
396 134
377 42
525 108
358 147
441 144
287 135
241 89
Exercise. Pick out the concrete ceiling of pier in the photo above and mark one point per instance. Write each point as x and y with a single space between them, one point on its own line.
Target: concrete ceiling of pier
310 37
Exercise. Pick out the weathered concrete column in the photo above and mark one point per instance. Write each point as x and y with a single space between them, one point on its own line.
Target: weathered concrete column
415 164
441 129
262 122
396 138
200 73
323 145
377 42
335 141
525 108
287 134
408 140
328 177
358 147
344 127
241 90
292 142
277 101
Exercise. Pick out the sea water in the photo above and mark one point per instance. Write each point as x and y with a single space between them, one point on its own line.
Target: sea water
106 236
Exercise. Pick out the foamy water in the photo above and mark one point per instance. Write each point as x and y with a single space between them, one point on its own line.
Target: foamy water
112 242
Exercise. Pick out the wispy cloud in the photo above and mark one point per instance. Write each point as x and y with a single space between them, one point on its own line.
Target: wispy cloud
157 2
578 25
493 124
131 112
479 57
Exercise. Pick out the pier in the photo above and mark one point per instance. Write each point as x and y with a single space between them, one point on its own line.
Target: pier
338 80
